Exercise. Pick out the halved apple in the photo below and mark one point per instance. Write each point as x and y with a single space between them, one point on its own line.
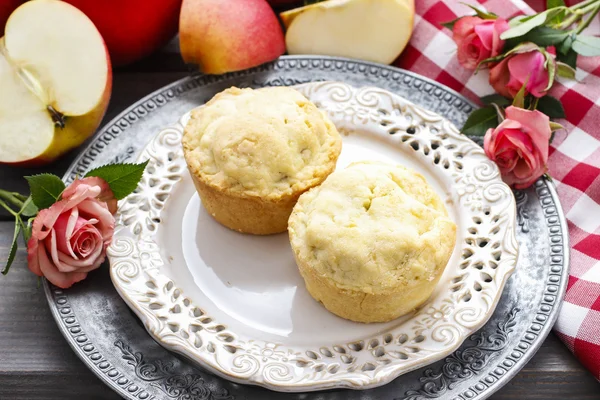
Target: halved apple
363 29
56 80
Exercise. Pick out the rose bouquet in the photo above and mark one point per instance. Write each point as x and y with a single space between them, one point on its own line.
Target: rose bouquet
68 229
524 55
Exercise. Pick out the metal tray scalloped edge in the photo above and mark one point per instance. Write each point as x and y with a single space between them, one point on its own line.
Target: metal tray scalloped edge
533 338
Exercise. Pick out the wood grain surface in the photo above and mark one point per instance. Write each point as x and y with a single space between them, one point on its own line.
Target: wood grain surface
37 363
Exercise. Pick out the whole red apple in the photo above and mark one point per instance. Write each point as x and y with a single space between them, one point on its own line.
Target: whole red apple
222 38
6 8
132 29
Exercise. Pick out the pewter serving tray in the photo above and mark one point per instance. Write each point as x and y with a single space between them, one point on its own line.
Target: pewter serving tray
107 336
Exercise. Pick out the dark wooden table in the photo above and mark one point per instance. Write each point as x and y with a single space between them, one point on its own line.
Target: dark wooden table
37 363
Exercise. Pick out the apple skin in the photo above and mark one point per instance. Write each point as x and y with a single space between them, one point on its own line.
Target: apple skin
221 38
76 131
132 29
6 8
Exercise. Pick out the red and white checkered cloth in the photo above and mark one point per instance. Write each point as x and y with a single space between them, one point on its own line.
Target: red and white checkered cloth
574 160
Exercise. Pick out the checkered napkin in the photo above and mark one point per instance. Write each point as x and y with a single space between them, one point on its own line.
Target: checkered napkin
574 160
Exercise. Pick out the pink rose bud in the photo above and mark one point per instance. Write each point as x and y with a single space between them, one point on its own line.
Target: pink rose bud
509 75
519 146
70 238
478 39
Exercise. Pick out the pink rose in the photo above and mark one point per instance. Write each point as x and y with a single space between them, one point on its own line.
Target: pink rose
70 238
478 39
519 145
509 75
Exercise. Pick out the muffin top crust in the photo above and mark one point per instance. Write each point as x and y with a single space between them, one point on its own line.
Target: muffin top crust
373 227
267 143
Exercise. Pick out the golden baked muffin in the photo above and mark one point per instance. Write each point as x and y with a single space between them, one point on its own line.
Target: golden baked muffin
252 153
372 241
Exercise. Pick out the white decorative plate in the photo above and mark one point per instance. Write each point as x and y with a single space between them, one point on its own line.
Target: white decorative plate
236 303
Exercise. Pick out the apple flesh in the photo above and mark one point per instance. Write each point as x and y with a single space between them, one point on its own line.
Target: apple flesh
369 30
132 29
222 38
55 83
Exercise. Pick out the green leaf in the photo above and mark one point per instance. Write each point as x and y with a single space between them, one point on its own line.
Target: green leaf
45 189
588 46
122 178
480 13
551 106
565 46
495 99
554 3
13 248
545 36
565 70
480 121
526 24
518 19
450 24
29 209
570 58
557 19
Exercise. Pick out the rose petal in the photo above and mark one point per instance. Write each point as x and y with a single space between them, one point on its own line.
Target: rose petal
470 52
500 25
32 256
112 204
507 158
84 244
64 226
98 210
106 195
523 183
537 126
508 177
57 256
86 230
485 32
463 27
44 221
489 142
529 67
68 264
522 170
513 86
499 78
60 279
520 141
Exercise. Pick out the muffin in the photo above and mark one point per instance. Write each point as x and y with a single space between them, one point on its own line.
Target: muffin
252 153
372 241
